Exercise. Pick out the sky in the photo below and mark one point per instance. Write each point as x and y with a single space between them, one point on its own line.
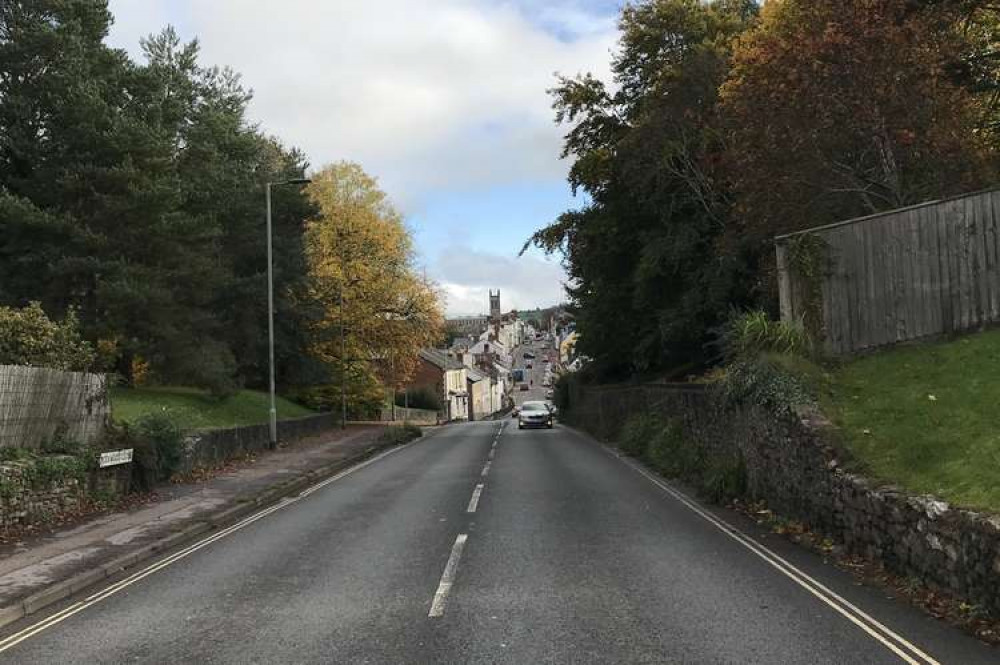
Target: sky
444 101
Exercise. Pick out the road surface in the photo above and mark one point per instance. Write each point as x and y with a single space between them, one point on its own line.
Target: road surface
481 546
534 376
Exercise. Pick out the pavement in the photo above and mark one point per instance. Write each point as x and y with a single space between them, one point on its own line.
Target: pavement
69 559
486 544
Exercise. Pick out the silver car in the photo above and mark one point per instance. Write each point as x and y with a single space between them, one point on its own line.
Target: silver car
534 414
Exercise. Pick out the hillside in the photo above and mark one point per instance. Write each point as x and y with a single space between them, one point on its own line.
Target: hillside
927 417
193 409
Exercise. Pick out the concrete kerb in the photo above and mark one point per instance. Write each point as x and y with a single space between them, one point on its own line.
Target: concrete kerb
63 589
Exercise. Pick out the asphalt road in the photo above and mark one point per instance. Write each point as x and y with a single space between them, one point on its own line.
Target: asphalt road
534 376
543 548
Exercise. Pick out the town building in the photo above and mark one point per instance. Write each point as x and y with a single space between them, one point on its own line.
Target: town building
468 325
446 376
480 392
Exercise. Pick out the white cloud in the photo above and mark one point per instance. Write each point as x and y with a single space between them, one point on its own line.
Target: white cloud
524 282
426 94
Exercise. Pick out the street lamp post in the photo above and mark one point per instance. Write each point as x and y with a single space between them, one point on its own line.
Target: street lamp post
273 413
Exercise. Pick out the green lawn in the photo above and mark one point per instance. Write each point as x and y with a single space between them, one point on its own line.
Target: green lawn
193 409
927 417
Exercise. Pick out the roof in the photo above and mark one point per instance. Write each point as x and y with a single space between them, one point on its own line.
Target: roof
500 346
440 359
474 374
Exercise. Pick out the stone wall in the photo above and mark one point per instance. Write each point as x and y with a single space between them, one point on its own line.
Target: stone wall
211 448
795 465
403 414
24 500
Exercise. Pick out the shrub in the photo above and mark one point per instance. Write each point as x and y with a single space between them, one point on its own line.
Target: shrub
158 449
363 401
561 393
767 382
672 454
749 334
724 479
637 433
58 444
205 363
57 468
660 443
29 337
15 454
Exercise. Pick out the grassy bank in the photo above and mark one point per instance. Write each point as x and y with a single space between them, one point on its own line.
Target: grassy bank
926 417
193 409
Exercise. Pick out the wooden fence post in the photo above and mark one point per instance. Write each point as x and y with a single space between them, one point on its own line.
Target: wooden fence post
784 281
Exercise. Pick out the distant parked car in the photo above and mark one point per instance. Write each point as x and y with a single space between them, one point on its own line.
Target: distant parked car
523 388
529 355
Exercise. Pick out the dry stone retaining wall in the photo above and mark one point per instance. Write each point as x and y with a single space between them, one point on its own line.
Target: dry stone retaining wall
23 503
24 500
793 466
212 448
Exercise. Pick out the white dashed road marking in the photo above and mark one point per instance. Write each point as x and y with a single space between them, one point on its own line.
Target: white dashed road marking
474 501
447 578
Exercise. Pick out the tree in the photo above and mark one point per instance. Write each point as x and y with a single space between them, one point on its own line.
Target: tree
377 312
647 283
134 193
837 109
91 188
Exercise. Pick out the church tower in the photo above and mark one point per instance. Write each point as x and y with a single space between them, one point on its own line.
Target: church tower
494 306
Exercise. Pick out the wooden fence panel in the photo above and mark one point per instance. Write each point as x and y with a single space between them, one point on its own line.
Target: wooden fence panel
917 272
38 403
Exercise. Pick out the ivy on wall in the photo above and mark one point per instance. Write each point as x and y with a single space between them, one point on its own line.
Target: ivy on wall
808 261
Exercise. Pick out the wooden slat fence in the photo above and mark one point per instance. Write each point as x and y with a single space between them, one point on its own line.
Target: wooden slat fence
906 274
36 403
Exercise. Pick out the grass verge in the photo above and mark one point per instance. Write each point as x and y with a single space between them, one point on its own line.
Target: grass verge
926 417
189 408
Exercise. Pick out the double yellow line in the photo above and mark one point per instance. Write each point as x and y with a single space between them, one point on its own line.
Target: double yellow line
80 605
907 651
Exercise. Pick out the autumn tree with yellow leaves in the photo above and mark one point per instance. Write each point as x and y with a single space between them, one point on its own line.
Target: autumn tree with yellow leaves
376 310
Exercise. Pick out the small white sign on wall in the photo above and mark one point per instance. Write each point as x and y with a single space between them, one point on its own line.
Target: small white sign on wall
114 457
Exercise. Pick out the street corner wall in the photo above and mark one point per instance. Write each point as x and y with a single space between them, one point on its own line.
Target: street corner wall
36 403
796 466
